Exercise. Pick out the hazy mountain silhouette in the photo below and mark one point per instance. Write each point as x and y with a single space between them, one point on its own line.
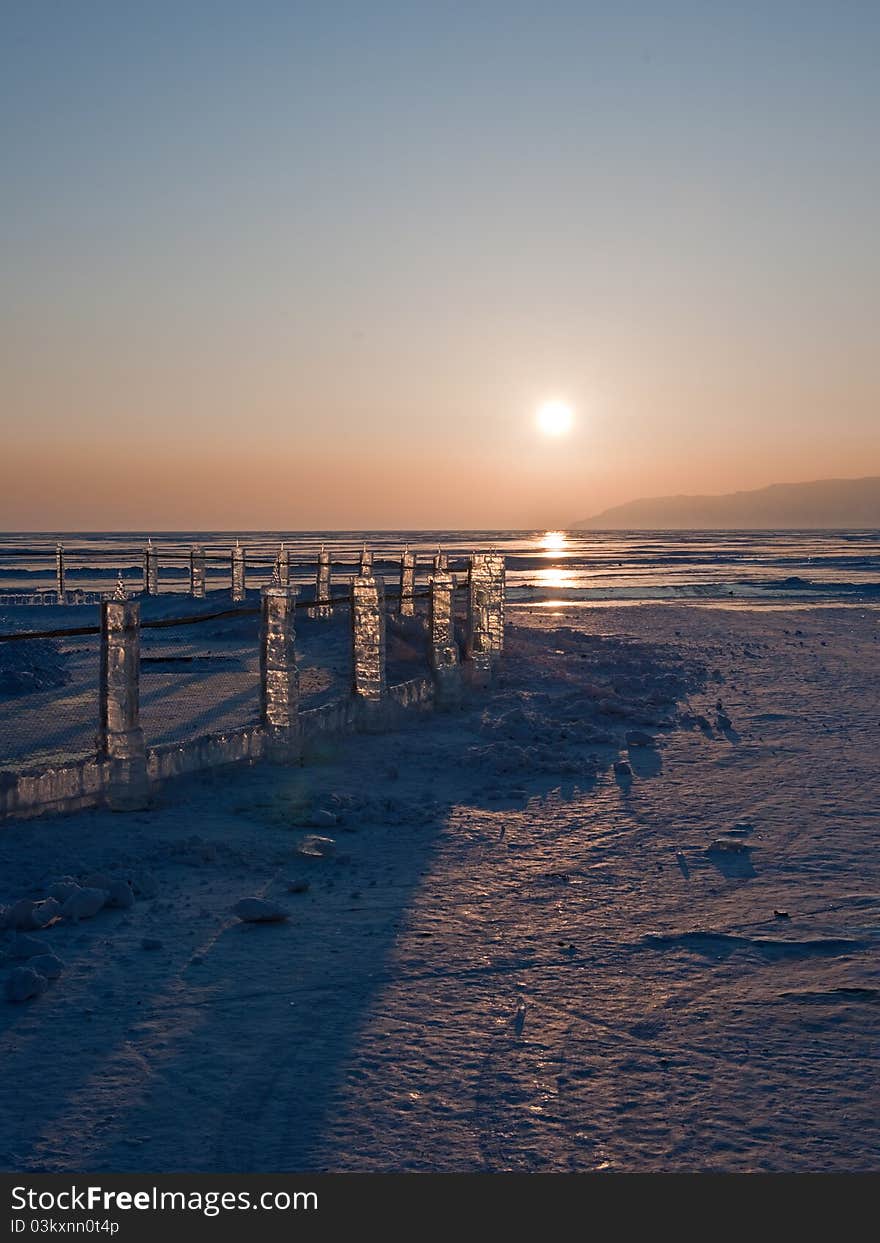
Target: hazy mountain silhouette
821 503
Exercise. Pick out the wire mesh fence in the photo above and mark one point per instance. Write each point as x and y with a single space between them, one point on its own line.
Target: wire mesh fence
199 668
323 654
200 678
48 700
406 648
44 599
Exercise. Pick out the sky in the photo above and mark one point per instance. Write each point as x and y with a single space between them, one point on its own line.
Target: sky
317 265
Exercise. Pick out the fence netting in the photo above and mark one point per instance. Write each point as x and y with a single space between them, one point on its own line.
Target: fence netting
199 675
323 655
201 678
48 701
406 647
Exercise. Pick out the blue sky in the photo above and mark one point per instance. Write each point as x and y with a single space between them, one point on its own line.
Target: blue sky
247 243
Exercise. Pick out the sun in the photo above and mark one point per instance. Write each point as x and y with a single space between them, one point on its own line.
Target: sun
555 418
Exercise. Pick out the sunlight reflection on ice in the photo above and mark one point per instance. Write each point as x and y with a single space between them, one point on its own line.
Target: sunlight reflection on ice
553 542
553 577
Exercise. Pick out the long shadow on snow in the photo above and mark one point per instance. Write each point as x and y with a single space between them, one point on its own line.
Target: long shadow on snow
278 1026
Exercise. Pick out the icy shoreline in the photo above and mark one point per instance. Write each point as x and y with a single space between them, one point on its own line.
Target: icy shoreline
595 921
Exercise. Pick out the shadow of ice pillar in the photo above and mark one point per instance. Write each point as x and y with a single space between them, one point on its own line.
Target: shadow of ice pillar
407 583
121 739
237 572
197 572
484 643
59 572
368 645
443 650
151 570
321 606
279 677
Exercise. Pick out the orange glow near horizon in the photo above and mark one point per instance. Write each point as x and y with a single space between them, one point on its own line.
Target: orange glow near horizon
334 270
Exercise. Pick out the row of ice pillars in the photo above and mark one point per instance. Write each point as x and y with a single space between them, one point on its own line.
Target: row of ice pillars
121 739
485 608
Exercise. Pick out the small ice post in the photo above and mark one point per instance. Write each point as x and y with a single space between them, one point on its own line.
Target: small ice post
238 572
197 572
322 606
282 566
59 571
151 569
407 583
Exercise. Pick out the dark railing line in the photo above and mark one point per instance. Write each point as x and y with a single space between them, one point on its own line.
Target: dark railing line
71 561
49 634
71 564
73 558
165 623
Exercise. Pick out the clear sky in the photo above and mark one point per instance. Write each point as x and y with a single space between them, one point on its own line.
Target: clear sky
316 265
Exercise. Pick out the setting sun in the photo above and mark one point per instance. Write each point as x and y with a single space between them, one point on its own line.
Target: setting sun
555 418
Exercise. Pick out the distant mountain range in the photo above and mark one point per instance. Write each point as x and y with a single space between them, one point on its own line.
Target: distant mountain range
821 503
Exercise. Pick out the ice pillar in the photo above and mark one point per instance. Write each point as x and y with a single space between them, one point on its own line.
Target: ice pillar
442 648
485 615
282 567
368 638
59 571
238 588
322 586
151 570
197 572
121 739
407 583
279 678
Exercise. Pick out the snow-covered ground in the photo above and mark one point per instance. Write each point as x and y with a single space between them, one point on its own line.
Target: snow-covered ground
511 955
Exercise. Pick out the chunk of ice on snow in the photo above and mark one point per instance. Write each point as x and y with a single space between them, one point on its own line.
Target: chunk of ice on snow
25 983
47 965
84 904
